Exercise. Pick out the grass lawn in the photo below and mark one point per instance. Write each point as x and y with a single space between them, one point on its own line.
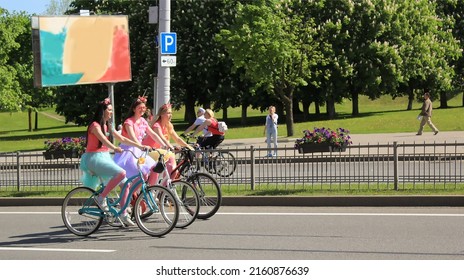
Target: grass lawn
380 116
282 190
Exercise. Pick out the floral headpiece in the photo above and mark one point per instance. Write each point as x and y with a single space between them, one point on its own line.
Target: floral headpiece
142 99
106 101
166 106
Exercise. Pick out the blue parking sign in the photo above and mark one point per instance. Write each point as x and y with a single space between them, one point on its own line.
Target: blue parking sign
168 42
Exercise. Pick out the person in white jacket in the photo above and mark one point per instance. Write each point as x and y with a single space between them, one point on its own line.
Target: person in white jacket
270 130
199 121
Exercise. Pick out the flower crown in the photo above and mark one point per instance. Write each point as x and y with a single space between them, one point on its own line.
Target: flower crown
166 106
106 101
142 99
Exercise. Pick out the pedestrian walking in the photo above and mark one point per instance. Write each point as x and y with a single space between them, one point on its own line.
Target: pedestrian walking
426 115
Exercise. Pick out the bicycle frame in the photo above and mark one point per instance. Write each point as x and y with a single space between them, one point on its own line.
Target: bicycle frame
136 181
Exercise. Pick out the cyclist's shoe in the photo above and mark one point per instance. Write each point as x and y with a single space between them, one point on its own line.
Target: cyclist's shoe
126 219
102 203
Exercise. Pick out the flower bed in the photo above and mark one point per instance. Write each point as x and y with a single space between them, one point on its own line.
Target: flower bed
66 147
323 140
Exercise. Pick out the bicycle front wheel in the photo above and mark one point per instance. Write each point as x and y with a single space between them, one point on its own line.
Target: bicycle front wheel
224 164
188 200
80 211
209 193
153 217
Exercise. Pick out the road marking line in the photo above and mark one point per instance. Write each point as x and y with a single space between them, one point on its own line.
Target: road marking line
345 214
31 213
55 250
283 214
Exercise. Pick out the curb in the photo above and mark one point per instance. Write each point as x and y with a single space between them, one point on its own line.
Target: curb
298 201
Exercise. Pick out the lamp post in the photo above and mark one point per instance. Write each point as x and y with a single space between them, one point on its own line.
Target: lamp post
162 92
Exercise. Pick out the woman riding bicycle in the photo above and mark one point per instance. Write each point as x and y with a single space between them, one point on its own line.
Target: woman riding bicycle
163 127
212 124
97 162
135 127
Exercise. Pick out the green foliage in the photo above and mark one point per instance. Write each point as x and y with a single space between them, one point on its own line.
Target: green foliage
11 97
274 46
203 75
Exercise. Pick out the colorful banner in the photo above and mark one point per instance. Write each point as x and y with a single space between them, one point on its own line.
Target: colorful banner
78 50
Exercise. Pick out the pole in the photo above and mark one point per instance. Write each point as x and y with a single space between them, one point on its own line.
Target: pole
164 74
155 96
113 118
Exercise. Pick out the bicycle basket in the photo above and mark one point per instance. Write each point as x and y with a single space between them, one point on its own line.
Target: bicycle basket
159 167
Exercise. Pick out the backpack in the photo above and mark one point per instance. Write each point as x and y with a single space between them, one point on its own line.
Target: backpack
222 127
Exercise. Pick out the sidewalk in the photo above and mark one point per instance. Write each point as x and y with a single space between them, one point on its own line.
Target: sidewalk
361 139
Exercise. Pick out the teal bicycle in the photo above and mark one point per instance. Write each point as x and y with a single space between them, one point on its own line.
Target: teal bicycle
83 216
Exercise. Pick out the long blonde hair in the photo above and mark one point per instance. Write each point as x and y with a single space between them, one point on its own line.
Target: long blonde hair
162 110
210 113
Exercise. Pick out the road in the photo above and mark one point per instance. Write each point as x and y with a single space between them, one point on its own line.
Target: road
248 233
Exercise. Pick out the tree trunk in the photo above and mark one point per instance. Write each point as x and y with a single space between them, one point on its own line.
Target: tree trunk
306 107
36 124
29 113
330 107
355 103
317 109
243 118
443 100
286 98
296 107
289 116
410 99
190 113
224 114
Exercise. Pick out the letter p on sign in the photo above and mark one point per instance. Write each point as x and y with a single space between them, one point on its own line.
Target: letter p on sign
168 42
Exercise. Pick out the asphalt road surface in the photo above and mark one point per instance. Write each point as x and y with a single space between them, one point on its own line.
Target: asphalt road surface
248 233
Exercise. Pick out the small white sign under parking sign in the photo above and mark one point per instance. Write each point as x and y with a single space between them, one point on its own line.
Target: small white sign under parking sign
168 60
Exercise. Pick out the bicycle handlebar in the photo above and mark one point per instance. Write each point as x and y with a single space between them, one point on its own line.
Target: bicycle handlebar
145 152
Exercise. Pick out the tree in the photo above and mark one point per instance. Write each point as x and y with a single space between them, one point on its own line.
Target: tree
57 7
203 74
11 97
273 45
454 10
427 49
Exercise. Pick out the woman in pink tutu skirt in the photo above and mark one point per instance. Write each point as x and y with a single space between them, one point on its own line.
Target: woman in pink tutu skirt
135 127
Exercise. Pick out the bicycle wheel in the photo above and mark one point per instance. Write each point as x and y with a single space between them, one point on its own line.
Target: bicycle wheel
188 200
209 192
80 211
224 164
161 219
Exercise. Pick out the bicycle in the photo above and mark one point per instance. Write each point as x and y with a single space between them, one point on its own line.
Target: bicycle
217 162
208 189
185 194
82 214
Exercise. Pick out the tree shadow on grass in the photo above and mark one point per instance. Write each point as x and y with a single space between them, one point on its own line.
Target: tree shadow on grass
57 135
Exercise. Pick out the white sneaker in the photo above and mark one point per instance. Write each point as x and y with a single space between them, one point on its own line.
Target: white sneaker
102 203
126 219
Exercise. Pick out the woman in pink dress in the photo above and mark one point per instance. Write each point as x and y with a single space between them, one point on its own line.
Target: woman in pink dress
135 127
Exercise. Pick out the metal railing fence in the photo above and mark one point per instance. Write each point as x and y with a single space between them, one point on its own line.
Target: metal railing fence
363 167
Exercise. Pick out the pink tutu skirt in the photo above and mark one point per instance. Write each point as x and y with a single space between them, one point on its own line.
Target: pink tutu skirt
129 163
